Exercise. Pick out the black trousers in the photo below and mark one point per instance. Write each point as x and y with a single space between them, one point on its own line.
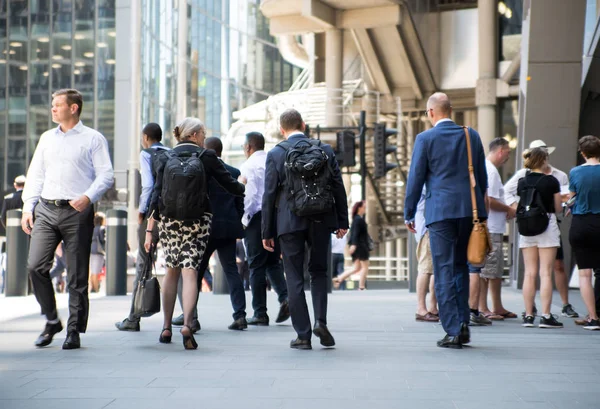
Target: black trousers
293 248
142 258
53 224
225 249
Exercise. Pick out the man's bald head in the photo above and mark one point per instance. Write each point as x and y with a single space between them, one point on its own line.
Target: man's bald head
440 103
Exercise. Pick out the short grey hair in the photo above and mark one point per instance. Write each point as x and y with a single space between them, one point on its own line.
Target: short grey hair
187 128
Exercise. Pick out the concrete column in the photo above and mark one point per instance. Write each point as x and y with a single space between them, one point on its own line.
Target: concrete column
182 64
134 121
550 113
485 92
370 107
333 77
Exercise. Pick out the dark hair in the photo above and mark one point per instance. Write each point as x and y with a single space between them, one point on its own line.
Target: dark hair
153 132
498 143
255 140
215 144
73 97
357 206
590 146
291 120
535 158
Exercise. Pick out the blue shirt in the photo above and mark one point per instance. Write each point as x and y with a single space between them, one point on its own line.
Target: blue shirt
585 181
67 165
147 177
420 223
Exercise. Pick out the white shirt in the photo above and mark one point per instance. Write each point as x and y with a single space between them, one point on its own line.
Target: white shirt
254 172
510 188
420 222
68 165
338 245
496 220
443 120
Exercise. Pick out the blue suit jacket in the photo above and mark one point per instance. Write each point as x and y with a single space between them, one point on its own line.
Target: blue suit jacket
277 218
440 162
227 209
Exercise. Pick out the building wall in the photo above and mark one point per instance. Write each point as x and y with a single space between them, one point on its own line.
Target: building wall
45 46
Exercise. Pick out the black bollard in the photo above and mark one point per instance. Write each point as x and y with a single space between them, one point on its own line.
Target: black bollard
17 250
116 252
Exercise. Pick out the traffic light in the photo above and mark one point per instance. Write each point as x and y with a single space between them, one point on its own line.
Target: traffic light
382 149
346 148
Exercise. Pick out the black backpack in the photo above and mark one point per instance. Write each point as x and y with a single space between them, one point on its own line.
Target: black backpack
184 187
308 176
532 217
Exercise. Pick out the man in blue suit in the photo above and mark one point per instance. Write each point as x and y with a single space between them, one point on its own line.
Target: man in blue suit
295 232
440 162
226 228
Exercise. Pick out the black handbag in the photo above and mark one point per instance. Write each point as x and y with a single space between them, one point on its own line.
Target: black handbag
147 295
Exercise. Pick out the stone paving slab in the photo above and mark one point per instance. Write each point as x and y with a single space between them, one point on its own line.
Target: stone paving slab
383 359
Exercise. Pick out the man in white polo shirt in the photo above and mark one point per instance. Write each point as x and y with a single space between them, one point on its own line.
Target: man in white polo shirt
491 273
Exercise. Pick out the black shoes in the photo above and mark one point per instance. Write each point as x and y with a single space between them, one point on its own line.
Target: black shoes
178 322
284 312
165 339
568 311
450 342
300 344
550 322
260 321
528 321
324 335
127 325
195 326
189 342
465 334
46 336
72 341
239 325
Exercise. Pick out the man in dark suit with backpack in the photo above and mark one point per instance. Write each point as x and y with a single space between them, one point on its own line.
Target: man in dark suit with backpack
226 228
304 202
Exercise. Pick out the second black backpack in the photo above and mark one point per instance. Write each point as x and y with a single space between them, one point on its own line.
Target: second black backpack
184 187
308 178
532 217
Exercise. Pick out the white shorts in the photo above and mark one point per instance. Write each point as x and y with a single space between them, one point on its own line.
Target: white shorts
548 239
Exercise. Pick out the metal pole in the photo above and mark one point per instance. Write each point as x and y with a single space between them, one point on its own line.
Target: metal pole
412 263
116 252
363 152
17 249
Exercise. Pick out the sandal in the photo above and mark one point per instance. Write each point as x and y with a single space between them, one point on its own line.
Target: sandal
493 317
507 314
165 339
188 340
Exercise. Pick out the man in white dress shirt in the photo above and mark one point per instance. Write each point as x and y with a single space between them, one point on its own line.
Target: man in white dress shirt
70 170
511 199
261 262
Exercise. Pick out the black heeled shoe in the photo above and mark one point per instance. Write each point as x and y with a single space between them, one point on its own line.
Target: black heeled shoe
165 339
188 340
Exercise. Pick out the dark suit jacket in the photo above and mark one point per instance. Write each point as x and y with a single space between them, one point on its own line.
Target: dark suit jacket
12 201
227 209
440 162
277 218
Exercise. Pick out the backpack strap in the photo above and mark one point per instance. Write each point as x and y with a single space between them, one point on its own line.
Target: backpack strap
531 193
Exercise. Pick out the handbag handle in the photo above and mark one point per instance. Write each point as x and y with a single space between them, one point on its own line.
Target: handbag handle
152 270
472 181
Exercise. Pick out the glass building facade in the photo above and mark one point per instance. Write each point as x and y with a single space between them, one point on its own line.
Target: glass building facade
231 62
46 45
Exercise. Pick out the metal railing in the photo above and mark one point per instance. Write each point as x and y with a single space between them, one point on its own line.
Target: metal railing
385 268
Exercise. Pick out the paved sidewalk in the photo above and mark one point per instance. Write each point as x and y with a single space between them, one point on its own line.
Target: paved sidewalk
384 359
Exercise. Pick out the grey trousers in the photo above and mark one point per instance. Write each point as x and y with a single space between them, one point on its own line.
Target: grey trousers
53 224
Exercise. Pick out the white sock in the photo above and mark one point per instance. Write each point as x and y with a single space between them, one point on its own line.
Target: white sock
547 316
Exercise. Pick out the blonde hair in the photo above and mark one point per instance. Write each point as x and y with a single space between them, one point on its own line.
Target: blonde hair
187 128
535 158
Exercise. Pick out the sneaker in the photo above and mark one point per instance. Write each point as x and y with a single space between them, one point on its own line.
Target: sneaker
535 311
550 322
478 320
568 311
592 325
528 321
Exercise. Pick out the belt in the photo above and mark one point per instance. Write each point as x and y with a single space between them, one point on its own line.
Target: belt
57 203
